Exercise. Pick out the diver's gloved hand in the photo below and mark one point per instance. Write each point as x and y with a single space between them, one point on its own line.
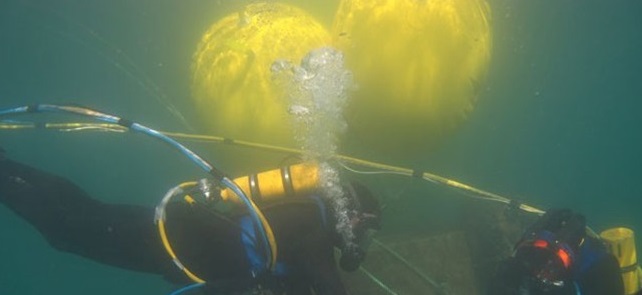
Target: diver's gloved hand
351 259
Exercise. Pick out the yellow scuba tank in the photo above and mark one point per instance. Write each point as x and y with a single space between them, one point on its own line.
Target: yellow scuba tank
621 243
277 184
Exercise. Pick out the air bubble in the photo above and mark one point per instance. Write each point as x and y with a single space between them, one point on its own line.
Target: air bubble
317 92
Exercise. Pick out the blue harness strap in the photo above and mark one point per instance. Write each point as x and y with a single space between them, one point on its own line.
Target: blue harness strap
590 253
577 288
258 263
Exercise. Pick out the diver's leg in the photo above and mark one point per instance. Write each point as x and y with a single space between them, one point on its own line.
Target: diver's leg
71 221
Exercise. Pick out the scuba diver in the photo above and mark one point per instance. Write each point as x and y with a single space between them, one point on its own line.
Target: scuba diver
220 248
557 256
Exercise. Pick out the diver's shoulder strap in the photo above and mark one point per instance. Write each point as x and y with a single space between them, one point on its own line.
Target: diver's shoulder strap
250 244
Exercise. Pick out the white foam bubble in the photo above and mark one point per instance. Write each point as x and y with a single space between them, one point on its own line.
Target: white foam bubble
317 91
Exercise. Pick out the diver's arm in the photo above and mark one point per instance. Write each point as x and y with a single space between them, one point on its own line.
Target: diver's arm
71 221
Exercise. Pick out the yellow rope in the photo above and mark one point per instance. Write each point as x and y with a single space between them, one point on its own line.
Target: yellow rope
217 139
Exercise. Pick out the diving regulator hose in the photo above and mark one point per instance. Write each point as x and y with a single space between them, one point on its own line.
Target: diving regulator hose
256 215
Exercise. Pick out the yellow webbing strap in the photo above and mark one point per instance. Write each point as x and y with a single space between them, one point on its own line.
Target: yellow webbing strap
170 251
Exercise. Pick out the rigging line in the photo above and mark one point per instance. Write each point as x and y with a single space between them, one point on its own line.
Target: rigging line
438 287
436 179
377 281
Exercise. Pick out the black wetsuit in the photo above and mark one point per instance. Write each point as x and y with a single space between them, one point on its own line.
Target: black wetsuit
125 236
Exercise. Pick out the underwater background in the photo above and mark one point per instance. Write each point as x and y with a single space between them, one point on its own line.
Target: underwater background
556 124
